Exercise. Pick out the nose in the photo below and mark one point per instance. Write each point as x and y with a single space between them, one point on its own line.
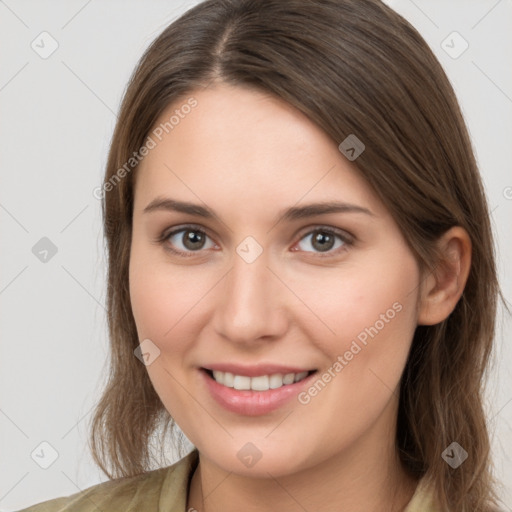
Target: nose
251 305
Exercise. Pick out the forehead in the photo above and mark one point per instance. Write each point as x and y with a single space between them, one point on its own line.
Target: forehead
244 145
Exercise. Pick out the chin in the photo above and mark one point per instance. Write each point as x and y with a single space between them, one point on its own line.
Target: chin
259 458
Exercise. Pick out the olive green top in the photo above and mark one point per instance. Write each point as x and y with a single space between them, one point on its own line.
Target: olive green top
163 490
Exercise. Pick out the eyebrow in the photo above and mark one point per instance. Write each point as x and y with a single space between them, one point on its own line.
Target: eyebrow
289 214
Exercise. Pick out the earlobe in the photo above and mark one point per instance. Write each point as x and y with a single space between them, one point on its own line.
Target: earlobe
444 285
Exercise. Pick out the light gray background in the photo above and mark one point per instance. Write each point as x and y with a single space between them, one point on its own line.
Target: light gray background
57 117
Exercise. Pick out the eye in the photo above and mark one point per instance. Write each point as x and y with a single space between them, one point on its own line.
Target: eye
326 240
186 240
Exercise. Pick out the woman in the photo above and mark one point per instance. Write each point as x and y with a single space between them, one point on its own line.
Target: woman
301 273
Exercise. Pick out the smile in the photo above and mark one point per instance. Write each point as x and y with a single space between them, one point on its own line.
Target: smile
254 391
259 383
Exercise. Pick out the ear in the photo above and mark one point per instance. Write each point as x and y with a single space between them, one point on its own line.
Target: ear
443 286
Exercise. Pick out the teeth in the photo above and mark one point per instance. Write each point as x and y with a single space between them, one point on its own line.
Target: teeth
300 376
289 378
260 383
241 382
229 379
275 381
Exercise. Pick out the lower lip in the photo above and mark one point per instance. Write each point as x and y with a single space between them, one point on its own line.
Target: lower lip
249 402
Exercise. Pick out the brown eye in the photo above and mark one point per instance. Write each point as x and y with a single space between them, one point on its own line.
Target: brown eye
187 240
193 240
324 240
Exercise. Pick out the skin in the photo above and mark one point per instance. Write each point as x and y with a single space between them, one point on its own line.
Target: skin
247 156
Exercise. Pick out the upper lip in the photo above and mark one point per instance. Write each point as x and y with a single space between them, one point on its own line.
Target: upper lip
256 370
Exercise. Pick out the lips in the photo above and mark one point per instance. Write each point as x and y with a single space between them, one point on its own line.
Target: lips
254 390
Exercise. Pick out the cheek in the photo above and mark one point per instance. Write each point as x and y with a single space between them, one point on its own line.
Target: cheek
366 312
161 305
156 298
372 312
165 300
152 301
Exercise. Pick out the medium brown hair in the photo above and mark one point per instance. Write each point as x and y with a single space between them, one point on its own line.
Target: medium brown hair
353 67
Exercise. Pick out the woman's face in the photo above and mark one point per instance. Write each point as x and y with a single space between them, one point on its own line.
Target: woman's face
253 282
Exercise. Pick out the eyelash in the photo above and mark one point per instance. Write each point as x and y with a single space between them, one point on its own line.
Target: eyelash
348 240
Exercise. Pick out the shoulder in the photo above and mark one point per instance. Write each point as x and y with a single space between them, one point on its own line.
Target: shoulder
147 491
423 499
